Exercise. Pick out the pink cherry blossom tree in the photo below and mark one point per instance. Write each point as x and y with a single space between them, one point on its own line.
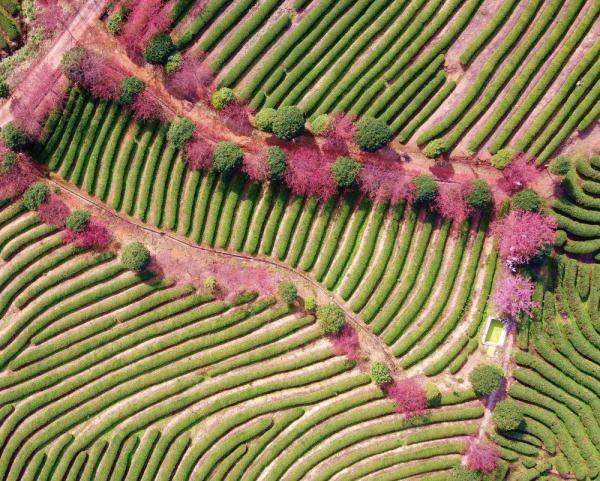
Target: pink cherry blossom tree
15 180
256 166
146 107
522 234
518 174
236 116
198 153
54 212
341 132
481 456
346 343
451 202
409 396
94 235
145 18
383 180
308 173
513 296
192 81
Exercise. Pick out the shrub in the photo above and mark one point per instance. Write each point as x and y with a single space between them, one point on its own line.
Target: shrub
8 160
4 89
288 291
130 87
263 120
380 373
527 200
560 165
501 159
486 378
34 195
226 157
508 415
460 473
331 318
276 162
210 283
288 122
344 171
433 394
115 21
424 189
173 63
78 220
222 97
372 134
180 131
310 303
321 124
435 148
14 138
159 48
135 256
480 195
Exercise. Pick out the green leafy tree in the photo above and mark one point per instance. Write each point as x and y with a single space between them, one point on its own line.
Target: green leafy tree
508 415
78 220
276 162
4 89
180 131
14 138
479 195
222 97
372 134
263 120
135 256
227 156
527 200
288 122
344 171
424 189
380 373
331 318
486 378
130 87
288 291
8 160
159 48
560 165
35 194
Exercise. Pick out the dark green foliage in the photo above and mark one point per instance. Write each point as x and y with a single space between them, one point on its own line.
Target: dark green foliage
435 148
159 48
527 200
288 291
372 134
35 194
276 161
434 396
180 131
135 256
344 171
425 189
331 318
380 373
130 87
8 161
486 378
288 122
560 165
4 89
508 416
263 120
115 20
480 195
220 98
173 63
227 156
77 220
14 138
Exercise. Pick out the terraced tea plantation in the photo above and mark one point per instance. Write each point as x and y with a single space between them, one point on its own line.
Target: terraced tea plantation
300 240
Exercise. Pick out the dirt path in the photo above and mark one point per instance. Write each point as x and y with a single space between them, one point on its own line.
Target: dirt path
120 224
74 31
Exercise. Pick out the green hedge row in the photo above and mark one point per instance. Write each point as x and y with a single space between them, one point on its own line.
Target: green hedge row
204 18
21 226
225 23
51 143
288 225
259 216
310 254
274 220
228 213
32 236
109 157
73 120
302 232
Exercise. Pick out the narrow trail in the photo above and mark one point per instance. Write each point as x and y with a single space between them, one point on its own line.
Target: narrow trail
88 13
373 341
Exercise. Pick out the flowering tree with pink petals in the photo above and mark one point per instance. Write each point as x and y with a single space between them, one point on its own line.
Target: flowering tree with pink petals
522 234
382 180
198 153
146 107
145 18
409 396
236 116
346 343
341 132
192 80
481 456
513 296
451 202
54 212
256 166
308 173
94 235
518 174
15 179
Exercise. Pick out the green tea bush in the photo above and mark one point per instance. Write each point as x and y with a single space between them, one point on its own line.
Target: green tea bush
35 194
287 291
380 373
159 48
115 21
135 256
480 195
508 415
486 378
344 171
263 120
310 303
173 63
460 473
276 162
527 200
320 124
227 156
331 318
435 148
502 158
14 138
4 89
77 220
8 161
180 131
433 395
288 122
222 97
560 165
424 188
372 134
130 87
210 283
